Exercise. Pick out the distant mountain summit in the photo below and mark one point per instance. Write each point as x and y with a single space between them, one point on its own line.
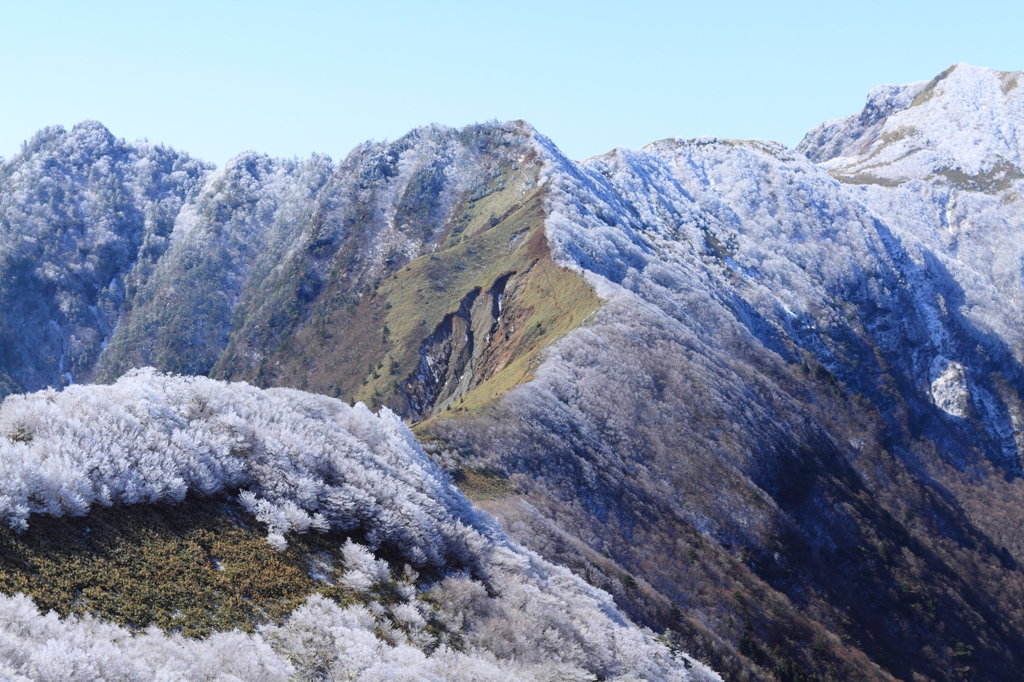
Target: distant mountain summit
966 124
83 219
770 399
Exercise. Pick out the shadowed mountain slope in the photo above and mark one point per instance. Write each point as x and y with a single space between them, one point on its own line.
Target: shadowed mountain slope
806 372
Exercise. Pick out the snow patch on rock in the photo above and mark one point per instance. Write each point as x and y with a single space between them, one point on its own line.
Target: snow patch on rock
949 390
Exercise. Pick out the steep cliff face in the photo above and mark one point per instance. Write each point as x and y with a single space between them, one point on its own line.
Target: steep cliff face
414 326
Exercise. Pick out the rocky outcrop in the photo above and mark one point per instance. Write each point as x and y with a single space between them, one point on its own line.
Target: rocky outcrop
452 357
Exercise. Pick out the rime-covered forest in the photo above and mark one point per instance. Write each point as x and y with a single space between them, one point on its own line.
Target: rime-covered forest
459 407
483 608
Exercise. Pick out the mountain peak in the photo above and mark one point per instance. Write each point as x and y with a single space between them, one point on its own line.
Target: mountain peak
965 124
94 130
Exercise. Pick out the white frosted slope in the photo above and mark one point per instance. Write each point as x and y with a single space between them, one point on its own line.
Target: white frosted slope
733 243
302 462
966 124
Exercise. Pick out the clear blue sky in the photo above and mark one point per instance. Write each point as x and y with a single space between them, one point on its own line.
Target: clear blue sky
217 78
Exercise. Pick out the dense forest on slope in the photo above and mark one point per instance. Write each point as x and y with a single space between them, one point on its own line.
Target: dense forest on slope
768 399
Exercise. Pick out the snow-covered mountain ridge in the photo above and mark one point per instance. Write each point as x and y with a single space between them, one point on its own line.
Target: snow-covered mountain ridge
773 332
769 399
964 124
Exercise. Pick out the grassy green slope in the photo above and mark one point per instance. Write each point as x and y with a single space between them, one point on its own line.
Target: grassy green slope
364 345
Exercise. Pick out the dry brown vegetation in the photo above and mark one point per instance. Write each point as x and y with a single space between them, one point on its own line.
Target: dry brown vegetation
193 568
